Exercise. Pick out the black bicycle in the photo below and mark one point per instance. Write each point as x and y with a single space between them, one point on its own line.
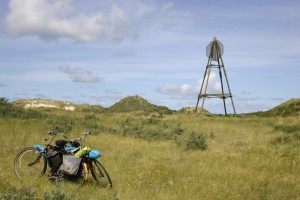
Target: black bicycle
68 160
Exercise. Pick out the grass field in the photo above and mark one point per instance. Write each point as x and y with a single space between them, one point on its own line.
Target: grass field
247 157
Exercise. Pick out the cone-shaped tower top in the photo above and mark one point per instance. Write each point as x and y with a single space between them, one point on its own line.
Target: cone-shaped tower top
214 49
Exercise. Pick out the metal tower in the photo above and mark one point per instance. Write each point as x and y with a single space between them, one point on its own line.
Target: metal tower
214 52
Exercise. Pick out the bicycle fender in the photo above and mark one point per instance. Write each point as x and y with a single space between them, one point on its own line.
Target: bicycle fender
39 147
93 154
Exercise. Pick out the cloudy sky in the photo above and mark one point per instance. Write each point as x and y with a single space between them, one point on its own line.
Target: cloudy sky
100 51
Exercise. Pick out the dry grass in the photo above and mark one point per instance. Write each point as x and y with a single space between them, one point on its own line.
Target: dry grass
240 162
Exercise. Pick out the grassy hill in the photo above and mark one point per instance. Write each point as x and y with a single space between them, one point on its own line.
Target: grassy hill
288 108
128 104
136 103
139 104
191 110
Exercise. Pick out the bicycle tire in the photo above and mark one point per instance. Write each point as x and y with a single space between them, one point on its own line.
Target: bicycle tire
100 174
83 174
29 162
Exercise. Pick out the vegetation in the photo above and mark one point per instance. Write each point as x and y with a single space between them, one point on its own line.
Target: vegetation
191 110
195 142
289 108
162 156
27 193
9 111
90 108
291 135
137 103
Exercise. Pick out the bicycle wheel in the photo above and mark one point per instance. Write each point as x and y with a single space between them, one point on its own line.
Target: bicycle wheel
30 162
83 174
100 174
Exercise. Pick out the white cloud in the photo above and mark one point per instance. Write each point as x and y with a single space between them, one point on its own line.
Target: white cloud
51 19
32 76
185 88
186 91
57 19
176 91
162 15
79 75
214 84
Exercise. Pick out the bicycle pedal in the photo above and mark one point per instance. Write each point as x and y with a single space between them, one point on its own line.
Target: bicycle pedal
55 177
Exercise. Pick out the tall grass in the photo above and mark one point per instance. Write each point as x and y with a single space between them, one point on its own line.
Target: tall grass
240 161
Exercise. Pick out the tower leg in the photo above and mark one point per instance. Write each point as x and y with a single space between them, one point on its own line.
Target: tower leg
206 85
221 79
199 96
226 78
222 87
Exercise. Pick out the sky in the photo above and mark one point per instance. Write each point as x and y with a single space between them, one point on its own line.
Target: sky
100 51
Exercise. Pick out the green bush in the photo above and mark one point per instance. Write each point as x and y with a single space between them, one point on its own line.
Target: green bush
293 139
150 129
60 124
193 141
196 142
57 194
288 129
178 131
90 122
291 135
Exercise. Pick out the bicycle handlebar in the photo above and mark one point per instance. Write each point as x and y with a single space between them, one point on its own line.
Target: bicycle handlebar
81 137
56 134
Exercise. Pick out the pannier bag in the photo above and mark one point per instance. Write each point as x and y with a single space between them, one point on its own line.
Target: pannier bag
55 160
70 165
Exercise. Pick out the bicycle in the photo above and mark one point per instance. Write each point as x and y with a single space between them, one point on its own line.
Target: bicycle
33 161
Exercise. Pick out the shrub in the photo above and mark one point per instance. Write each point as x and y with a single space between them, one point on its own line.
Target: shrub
150 129
288 129
90 123
178 131
194 142
293 139
57 194
291 135
60 124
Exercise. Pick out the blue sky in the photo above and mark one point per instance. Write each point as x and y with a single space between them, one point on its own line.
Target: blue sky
98 52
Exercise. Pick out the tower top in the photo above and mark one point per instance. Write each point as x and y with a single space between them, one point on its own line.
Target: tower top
214 49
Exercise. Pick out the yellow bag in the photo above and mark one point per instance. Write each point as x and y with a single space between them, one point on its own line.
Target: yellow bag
82 152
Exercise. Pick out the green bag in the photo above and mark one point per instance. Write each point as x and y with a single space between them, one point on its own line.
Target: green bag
82 152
